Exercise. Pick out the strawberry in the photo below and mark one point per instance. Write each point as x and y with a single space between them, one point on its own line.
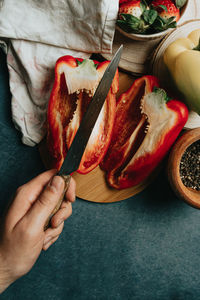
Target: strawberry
166 9
135 16
142 16
132 8
168 14
122 1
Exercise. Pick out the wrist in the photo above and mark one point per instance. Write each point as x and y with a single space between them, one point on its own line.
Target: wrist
5 279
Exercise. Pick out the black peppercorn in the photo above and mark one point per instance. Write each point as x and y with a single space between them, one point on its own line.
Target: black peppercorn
190 166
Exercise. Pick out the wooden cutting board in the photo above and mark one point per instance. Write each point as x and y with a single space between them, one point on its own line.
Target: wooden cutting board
92 186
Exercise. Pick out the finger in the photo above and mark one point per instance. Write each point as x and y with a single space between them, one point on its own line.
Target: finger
71 192
62 214
46 202
51 233
46 246
26 195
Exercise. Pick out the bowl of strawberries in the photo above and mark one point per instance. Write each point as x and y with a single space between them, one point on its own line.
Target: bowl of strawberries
149 19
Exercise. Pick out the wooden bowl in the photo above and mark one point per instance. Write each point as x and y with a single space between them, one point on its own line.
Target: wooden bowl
189 195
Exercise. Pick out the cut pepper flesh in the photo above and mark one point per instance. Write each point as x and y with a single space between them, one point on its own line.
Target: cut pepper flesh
65 111
145 128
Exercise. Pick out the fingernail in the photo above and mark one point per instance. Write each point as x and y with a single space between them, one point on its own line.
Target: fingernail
57 182
47 240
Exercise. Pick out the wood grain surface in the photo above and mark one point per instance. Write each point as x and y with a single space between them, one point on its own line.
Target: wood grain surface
187 194
92 186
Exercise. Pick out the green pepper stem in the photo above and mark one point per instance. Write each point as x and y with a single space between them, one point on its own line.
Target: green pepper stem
163 94
197 48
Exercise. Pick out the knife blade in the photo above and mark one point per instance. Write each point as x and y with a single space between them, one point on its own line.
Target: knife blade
75 153
78 146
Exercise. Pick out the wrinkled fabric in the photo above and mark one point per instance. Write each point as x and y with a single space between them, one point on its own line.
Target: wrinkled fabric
31 70
36 34
86 25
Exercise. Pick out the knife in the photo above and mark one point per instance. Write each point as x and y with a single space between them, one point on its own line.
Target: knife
77 148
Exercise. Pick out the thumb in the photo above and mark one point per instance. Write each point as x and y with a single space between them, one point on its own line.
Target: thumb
46 202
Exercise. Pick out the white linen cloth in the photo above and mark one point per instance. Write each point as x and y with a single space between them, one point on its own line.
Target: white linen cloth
35 34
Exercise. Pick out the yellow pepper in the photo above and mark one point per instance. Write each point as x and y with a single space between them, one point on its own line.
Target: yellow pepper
182 58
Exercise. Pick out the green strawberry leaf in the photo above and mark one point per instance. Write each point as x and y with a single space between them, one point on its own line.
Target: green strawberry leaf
163 7
129 18
180 3
172 25
132 24
143 5
131 28
171 19
150 16
161 24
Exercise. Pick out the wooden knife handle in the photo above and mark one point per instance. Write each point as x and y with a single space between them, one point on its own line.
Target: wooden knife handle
67 181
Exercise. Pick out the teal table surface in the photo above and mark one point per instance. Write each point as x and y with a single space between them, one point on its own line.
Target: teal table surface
146 247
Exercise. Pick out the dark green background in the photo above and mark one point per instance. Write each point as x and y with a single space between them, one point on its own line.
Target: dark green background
146 247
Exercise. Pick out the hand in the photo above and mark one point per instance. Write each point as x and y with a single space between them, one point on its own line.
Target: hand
22 235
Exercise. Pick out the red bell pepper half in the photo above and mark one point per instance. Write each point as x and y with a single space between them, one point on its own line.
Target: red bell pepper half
75 82
146 125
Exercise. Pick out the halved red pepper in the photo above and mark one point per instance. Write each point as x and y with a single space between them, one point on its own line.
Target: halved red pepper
75 82
146 125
